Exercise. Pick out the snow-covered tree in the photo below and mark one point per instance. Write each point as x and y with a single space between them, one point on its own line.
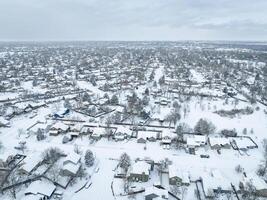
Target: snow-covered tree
114 100
125 161
67 104
204 127
22 146
86 97
162 80
1 146
146 91
152 76
89 158
40 135
93 80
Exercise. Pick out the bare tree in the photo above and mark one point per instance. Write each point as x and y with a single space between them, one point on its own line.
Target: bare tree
13 178
52 155
249 192
54 172
239 169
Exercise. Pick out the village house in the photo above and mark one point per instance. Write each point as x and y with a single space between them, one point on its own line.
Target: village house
139 171
167 136
214 182
164 102
259 184
219 143
243 143
71 164
144 136
76 128
73 135
122 133
41 189
98 133
154 193
58 128
30 163
86 130
178 177
194 141
118 136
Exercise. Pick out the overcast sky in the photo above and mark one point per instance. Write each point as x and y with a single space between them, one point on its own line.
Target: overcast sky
133 20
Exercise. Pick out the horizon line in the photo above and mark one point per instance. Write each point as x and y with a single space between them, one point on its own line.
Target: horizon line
81 40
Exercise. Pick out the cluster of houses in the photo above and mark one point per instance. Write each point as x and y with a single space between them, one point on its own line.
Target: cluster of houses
217 142
39 176
33 164
72 129
210 182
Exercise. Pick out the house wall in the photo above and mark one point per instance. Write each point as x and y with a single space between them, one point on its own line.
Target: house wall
262 193
66 173
138 177
150 196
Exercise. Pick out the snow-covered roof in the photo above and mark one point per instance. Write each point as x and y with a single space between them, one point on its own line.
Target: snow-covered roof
53 132
37 126
90 124
140 168
99 131
60 125
146 134
77 127
42 187
256 181
161 193
119 136
218 141
214 180
168 133
73 133
123 129
73 157
250 80
174 172
3 121
196 140
30 162
73 168
243 142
